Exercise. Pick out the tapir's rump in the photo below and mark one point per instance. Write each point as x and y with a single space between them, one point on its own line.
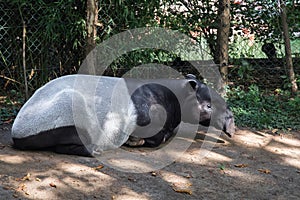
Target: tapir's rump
87 103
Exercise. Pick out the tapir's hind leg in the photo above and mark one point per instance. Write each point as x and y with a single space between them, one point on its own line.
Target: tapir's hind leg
72 149
61 140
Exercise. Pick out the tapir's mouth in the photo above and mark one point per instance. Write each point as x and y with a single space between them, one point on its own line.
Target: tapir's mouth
228 134
229 131
229 127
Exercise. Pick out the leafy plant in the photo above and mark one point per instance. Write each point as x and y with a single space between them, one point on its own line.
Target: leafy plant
222 167
254 109
286 81
55 38
11 102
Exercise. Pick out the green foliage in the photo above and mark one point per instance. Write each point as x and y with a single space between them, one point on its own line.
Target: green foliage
254 109
116 16
12 101
222 166
57 21
240 48
287 83
295 46
244 71
197 19
260 14
55 38
263 18
139 57
293 12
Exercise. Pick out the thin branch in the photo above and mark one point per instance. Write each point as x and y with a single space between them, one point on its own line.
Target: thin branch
24 60
10 79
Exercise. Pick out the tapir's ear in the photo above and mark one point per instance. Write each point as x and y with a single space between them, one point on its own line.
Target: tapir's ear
191 84
192 81
190 76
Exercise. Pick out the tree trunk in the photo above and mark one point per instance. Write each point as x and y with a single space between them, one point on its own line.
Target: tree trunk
288 51
221 54
91 24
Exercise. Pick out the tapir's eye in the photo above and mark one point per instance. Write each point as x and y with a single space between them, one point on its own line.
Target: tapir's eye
208 106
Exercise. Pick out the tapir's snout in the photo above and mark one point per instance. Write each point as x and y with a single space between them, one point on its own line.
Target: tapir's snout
229 126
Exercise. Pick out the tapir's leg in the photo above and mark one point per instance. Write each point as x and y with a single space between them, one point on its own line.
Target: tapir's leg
61 140
153 141
157 139
134 141
72 149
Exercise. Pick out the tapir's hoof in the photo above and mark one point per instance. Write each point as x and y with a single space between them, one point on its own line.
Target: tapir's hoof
134 141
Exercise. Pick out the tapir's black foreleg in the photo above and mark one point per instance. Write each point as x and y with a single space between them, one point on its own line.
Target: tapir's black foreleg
153 141
158 139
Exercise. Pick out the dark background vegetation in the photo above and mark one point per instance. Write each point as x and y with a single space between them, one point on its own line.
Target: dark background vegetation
56 41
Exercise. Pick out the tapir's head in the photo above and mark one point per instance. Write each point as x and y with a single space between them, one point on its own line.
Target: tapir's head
211 106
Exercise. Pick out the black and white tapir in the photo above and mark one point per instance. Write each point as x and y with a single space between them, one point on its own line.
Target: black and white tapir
85 114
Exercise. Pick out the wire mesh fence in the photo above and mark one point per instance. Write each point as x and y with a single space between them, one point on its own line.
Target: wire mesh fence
48 54
55 37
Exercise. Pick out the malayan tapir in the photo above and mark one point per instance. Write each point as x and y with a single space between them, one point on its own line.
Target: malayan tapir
86 114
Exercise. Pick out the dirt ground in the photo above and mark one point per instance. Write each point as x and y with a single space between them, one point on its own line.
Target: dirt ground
251 165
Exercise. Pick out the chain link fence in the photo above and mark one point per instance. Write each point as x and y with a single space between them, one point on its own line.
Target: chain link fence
257 46
49 52
55 38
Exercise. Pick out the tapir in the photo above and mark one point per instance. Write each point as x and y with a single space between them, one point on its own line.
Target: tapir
87 114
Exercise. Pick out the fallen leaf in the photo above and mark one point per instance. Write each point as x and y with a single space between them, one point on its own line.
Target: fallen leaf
31 74
241 165
98 167
22 187
131 179
275 130
182 188
52 185
266 171
38 179
26 178
153 174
